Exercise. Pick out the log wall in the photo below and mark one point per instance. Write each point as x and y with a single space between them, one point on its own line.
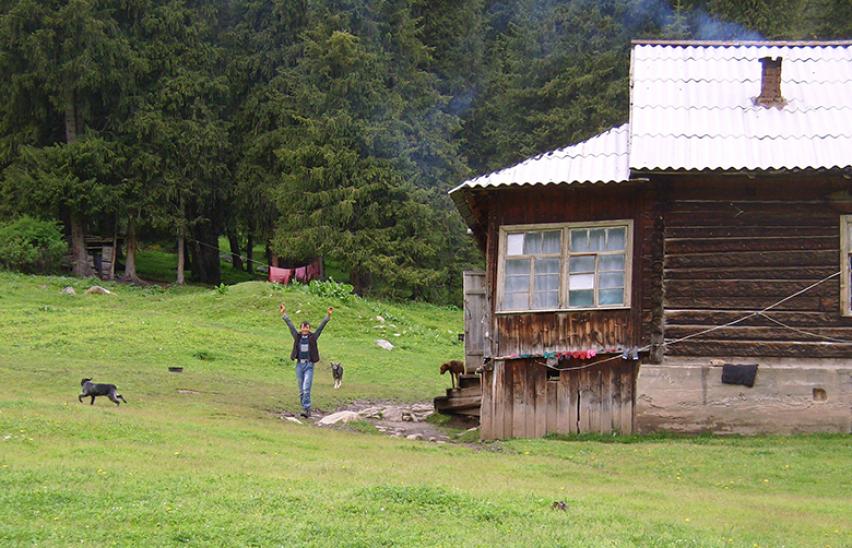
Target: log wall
735 245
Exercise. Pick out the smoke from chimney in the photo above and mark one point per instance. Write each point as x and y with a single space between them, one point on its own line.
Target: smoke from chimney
770 83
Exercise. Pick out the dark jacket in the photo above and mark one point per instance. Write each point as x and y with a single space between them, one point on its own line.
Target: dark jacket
313 350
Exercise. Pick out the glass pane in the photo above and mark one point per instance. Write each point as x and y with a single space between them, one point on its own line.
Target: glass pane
517 266
611 296
517 283
581 281
581 299
615 238
597 237
547 266
552 242
547 299
612 279
580 240
515 244
612 262
516 301
549 282
586 263
532 243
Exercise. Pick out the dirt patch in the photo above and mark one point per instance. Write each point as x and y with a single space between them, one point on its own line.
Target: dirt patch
406 420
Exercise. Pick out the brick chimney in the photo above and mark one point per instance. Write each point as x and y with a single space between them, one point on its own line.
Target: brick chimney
770 83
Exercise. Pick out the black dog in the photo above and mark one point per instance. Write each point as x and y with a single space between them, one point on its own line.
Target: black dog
92 390
337 374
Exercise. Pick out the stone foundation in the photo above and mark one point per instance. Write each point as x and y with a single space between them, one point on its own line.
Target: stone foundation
789 396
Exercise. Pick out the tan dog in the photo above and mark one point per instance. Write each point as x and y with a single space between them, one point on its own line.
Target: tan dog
456 368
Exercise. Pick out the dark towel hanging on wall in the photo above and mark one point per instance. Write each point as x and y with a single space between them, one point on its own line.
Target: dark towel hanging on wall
739 374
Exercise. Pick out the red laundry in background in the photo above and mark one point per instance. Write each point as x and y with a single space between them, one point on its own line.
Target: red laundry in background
280 275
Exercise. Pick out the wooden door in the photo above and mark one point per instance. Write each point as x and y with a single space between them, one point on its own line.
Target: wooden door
475 320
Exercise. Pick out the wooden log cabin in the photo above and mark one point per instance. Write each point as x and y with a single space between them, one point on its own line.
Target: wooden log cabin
625 273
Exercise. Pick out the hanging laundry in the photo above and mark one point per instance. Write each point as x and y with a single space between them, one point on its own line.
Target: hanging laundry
279 275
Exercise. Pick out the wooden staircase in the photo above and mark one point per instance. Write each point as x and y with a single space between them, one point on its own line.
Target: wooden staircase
464 400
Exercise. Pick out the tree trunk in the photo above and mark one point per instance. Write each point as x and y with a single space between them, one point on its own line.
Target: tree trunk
206 259
271 258
180 266
361 281
195 259
130 261
71 118
250 254
79 256
236 259
111 274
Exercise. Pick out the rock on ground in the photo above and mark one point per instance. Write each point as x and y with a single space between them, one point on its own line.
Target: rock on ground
68 290
381 343
98 290
341 417
374 412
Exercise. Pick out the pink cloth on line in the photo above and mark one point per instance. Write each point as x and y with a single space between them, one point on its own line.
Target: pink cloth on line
279 275
301 274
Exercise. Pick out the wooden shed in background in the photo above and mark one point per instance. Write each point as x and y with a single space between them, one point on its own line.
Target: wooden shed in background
713 228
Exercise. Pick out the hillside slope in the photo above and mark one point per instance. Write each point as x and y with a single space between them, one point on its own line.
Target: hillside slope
202 458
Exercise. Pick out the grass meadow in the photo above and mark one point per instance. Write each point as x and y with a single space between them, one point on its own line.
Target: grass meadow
202 458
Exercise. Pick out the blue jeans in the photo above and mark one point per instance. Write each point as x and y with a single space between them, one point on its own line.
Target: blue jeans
304 378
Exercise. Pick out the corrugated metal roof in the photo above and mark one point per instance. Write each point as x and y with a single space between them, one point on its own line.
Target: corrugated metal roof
601 159
692 107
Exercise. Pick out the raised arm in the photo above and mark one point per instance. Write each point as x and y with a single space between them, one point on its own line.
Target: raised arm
323 322
286 318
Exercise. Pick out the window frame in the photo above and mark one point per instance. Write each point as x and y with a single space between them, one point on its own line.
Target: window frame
564 256
845 257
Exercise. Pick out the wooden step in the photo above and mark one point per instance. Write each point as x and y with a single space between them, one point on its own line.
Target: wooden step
464 392
466 381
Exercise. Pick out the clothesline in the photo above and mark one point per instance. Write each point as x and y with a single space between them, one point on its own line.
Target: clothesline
225 253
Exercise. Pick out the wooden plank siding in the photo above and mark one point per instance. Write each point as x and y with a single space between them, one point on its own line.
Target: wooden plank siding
524 403
735 245
538 332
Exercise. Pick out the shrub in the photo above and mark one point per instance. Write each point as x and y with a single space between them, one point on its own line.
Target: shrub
331 289
32 246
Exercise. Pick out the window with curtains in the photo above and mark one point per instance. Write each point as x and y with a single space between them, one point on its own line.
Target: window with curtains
846 265
564 267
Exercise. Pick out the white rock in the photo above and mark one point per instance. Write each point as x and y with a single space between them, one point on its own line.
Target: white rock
341 417
293 419
384 344
68 290
393 414
371 413
416 437
98 290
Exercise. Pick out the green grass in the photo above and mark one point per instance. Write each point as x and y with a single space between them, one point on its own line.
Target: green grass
215 466
155 265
